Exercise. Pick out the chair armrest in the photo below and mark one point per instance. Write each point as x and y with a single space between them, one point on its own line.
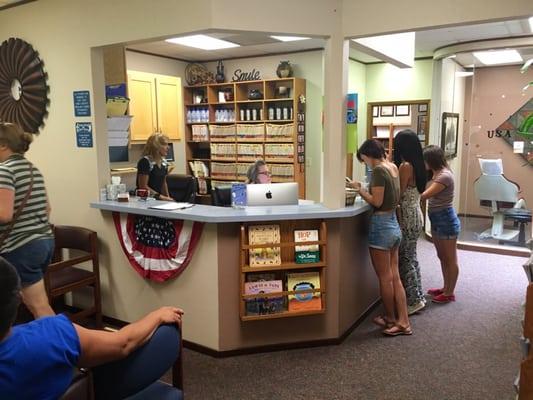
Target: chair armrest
81 387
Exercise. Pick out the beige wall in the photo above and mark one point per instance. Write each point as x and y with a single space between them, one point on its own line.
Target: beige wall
66 32
493 95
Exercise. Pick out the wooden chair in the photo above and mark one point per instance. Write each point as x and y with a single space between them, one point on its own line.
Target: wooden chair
62 276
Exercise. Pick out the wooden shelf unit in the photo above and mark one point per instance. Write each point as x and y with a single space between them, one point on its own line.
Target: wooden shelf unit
288 265
209 96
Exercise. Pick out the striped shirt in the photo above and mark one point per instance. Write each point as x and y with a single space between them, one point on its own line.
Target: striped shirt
32 223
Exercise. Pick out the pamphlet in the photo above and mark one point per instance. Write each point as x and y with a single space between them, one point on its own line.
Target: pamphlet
171 206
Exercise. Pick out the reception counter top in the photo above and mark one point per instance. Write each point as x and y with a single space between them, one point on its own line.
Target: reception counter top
211 214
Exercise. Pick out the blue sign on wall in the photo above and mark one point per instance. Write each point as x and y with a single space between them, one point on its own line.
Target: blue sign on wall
82 103
84 134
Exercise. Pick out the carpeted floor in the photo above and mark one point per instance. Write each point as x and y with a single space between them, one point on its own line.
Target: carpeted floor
465 350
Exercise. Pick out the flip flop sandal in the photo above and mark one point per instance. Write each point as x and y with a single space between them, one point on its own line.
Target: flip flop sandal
398 330
382 321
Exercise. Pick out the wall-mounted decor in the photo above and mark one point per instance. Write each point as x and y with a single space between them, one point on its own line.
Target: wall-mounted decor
421 126
449 134
23 85
375 111
422 108
197 74
386 111
401 110
240 76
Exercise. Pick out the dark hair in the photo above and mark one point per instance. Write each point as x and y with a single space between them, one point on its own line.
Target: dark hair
371 148
9 296
407 148
434 157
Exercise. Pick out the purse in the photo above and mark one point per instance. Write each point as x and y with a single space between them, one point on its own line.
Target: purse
6 233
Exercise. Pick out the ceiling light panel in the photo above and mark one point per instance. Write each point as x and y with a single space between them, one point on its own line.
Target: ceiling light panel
496 57
289 38
203 42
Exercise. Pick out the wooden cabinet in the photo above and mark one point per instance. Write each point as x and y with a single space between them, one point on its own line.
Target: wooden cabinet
230 125
155 104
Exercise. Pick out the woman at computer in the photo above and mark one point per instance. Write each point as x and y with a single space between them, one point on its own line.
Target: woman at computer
152 168
258 173
384 235
445 226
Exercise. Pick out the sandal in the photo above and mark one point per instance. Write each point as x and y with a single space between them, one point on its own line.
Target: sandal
383 321
397 330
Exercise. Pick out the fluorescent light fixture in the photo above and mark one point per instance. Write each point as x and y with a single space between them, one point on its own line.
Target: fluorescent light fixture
463 74
289 38
531 24
203 42
397 49
495 57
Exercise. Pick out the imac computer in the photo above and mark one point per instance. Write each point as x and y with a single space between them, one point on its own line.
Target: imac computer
272 194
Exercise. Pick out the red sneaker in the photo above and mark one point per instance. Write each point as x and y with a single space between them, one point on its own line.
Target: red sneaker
442 298
434 292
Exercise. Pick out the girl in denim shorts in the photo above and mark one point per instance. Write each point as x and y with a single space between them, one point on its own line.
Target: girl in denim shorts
385 236
445 225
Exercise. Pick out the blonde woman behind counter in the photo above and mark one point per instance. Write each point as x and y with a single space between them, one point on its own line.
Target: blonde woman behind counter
152 168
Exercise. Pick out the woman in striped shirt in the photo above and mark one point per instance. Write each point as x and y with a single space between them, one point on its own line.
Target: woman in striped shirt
26 238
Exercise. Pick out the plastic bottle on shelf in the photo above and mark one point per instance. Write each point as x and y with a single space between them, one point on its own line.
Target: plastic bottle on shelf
242 114
278 112
189 116
261 114
270 113
291 115
194 116
247 114
217 116
231 116
225 115
285 113
254 114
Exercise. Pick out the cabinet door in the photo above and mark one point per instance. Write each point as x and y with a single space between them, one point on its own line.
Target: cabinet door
141 91
169 107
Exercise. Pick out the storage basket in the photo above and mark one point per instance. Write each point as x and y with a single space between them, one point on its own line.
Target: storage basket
223 170
252 132
222 132
279 132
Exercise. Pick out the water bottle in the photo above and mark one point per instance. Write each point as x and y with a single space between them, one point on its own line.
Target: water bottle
217 116
189 116
270 113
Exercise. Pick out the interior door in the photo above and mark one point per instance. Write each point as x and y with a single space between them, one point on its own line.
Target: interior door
169 107
142 94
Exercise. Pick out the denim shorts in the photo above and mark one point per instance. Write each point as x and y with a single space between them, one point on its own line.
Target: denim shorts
385 232
444 224
31 260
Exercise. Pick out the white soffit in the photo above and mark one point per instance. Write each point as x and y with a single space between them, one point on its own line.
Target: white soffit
397 49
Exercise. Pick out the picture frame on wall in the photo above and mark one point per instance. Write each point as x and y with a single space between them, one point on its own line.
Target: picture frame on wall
449 134
421 126
375 111
423 108
386 111
401 110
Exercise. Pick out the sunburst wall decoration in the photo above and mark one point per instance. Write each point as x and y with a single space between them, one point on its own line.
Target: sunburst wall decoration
23 85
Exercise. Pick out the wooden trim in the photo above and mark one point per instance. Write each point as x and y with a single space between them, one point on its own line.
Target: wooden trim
18 3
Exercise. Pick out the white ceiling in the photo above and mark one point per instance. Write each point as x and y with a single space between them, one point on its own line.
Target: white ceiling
257 43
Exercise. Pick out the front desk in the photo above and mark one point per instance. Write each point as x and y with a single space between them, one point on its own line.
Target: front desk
210 288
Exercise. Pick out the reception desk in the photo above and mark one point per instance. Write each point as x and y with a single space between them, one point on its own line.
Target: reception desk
210 288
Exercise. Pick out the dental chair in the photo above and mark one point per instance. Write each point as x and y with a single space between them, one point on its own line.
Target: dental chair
494 190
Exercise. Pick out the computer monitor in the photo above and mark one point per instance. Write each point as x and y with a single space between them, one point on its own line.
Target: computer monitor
272 194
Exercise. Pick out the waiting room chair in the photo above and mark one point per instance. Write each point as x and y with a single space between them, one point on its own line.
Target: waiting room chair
63 277
493 189
182 188
221 196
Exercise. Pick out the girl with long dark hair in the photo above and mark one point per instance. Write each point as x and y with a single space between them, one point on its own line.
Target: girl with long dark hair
410 162
445 225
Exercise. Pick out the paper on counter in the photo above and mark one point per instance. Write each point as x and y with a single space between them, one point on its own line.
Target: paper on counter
171 206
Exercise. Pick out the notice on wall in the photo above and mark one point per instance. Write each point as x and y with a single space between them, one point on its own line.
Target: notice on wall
82 103
518 147
351 122
84 134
